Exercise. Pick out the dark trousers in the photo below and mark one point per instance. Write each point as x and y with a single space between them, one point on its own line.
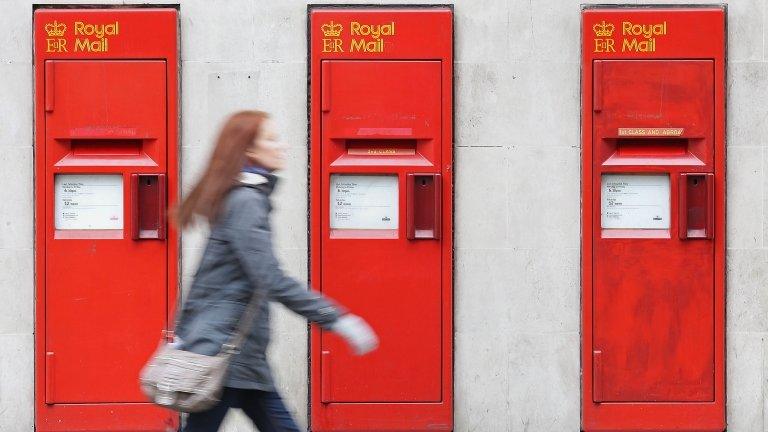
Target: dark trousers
265 409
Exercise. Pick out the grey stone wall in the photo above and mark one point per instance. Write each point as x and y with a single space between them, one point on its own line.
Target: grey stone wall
517 108
16 220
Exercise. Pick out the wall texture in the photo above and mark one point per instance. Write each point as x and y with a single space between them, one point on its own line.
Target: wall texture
517 152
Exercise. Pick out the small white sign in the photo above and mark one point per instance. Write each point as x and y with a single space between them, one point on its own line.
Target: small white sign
639 201
364 202
89 201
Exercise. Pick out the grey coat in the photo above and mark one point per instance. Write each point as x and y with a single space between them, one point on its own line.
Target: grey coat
239 259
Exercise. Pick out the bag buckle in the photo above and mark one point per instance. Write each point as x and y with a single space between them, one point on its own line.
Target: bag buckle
230 349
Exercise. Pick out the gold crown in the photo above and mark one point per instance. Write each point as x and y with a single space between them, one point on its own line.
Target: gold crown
55 28
331 29
603 29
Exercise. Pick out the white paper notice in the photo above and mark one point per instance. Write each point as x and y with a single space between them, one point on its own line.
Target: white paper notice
89 201
638 201
364 202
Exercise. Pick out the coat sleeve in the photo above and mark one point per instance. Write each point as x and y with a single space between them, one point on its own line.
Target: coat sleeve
251 240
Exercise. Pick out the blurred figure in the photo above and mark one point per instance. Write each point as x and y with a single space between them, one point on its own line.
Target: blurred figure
233 197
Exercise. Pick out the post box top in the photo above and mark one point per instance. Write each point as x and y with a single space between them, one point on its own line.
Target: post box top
381 33
105 33
653 32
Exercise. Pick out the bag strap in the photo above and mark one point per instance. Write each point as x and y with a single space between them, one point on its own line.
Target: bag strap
232 346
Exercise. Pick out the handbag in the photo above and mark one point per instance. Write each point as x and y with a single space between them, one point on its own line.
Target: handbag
188 382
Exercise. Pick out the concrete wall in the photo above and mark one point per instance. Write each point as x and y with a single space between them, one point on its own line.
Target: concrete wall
517 197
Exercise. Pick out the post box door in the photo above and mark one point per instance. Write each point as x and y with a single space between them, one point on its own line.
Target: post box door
381 129
106 292
653 279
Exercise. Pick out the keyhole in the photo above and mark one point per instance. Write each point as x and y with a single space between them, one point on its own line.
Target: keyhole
149 182
695 182
423 182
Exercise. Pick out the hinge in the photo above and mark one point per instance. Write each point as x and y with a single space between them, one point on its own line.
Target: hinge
325 86
597 376
49 80
168 335
597 86
49 377
325 378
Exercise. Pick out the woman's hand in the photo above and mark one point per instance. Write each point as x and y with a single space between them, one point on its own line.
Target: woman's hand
356 332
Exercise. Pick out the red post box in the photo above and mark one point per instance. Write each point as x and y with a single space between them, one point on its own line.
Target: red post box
653 225
105 171
381 201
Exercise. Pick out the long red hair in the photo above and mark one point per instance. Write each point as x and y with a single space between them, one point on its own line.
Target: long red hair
227 160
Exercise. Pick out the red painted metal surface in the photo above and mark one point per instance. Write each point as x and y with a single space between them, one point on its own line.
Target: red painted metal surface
148 203
697 218
653 299
424 208
106 104
381 103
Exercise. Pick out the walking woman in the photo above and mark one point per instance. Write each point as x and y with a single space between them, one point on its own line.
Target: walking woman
233 197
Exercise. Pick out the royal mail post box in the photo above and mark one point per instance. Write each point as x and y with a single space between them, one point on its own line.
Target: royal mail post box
653 219
105 172
381 190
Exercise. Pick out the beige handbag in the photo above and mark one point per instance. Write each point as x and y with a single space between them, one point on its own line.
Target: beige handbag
189 382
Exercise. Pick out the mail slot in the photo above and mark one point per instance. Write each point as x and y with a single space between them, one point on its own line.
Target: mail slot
381 191
106 169
653 220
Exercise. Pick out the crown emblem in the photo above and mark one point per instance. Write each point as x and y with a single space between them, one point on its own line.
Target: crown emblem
603 29
332 30
55 28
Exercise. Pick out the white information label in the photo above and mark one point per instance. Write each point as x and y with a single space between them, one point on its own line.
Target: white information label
89 201
638 201
364 202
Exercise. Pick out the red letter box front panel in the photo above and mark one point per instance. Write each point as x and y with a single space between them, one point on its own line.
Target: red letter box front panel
653 225
654 291
106 261
381 214
127 295
377 106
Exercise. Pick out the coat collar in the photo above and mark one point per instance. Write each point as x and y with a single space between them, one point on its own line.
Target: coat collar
263 181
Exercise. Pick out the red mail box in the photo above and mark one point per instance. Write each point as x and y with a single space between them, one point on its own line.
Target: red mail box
653 219
381 200
105 171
